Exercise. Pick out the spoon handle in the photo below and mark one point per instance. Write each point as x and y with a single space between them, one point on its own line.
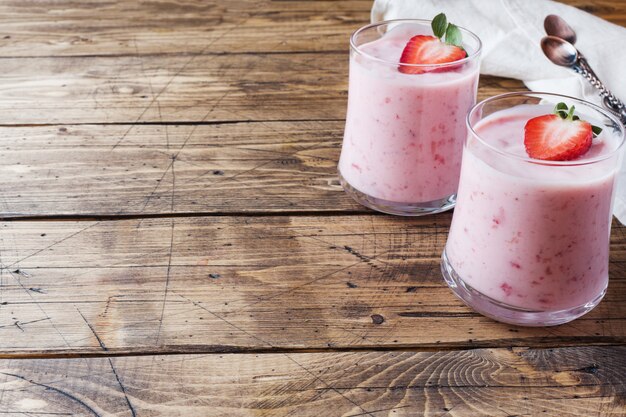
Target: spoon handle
610 100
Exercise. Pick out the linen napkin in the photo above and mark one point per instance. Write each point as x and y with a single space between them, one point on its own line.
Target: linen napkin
511 30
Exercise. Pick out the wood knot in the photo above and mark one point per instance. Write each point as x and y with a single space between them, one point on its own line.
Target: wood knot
377 319
591 369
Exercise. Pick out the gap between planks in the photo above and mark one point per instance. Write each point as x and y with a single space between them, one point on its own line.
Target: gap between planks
222 350
176 54
174 123
10 217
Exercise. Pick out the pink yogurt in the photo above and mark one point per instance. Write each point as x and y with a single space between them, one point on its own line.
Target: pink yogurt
404 132
530 235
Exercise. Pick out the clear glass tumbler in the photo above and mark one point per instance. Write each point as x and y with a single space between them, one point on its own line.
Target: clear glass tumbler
404 133
529 240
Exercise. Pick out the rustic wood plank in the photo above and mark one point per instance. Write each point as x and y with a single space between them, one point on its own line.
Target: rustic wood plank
115 28
254 283
179 88
127 169
70 28
199 88
225 168
133 88
611 10
495 382
291 86
155 169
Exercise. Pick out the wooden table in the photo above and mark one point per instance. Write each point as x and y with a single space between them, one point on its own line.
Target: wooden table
174 239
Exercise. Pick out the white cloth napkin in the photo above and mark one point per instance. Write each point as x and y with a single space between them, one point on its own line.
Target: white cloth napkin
511 31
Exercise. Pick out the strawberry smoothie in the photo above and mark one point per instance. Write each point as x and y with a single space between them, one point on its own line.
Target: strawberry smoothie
532 234
404 132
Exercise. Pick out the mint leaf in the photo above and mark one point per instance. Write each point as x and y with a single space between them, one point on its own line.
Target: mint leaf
567 113
453 35
439 25
561 110
571 113
561 113
596 130
560 106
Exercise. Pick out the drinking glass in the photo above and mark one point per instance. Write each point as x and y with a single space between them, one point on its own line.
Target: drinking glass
529 240
404 133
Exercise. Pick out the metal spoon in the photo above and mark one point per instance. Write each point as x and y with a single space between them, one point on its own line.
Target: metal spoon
559 51
555 26
563 53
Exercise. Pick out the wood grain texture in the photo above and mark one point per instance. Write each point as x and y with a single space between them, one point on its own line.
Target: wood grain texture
200 88
206 85
114 28
260 289
566 382
177 88
260 283
174 27
223 168
155 61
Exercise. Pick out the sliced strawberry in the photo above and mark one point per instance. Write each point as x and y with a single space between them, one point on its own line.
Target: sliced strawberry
422 49
552 138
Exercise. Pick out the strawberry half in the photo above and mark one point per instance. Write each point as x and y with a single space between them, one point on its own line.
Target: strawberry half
553 138
423 49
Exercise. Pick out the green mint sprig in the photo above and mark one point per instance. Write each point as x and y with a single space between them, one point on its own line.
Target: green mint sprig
446 32
566 113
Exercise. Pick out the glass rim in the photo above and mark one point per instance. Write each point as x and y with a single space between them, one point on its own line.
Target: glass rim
468 58
538 94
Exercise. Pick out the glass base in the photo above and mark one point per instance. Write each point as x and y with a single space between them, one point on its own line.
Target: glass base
395 207
506 313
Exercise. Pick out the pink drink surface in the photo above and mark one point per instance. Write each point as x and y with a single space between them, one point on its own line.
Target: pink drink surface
531 236
404 132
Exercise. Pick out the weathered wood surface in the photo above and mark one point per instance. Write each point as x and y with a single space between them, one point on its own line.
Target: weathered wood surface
156 169
254 283
85 62
566 382
115 28
137 169
192 144
179 88
31 28
130 168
